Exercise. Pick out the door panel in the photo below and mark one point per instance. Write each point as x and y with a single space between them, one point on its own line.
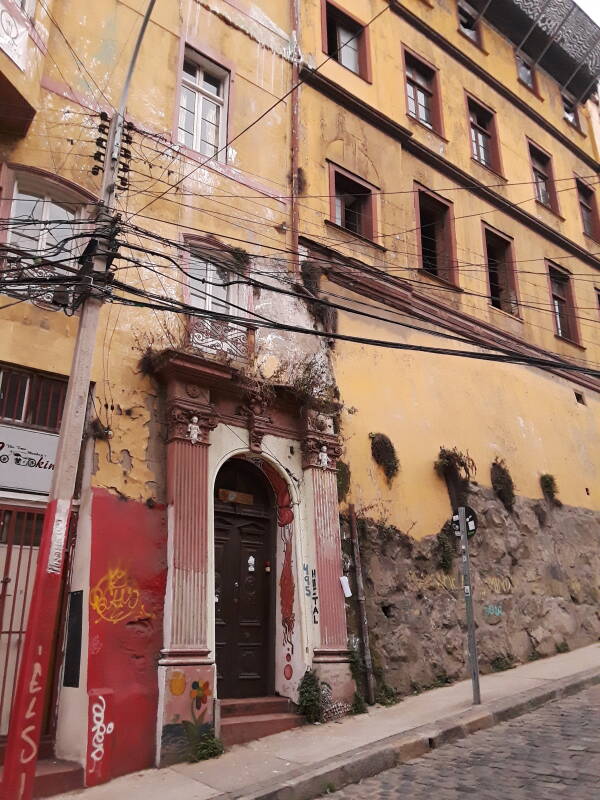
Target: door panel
243 608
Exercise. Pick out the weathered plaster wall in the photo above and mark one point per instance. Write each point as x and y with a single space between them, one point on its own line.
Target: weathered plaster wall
527 417
536 590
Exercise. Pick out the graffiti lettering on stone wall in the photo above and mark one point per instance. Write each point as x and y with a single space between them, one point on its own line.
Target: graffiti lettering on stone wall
116 597
452 583
493 611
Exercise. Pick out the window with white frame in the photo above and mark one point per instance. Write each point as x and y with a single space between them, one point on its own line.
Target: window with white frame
46 231
208 284
203 106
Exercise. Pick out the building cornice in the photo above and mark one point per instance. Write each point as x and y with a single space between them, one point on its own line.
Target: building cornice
387 125
386 289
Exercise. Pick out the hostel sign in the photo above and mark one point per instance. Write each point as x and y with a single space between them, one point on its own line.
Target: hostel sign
26 459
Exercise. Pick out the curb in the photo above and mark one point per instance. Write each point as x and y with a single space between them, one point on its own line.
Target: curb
365 762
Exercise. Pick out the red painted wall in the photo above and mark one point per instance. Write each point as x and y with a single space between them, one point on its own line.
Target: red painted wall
127 589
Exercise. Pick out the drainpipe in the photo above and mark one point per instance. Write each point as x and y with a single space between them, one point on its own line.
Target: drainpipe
294 134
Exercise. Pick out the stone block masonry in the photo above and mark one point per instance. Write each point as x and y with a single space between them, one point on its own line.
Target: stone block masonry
536 578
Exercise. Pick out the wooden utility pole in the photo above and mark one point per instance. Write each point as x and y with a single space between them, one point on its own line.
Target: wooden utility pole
362 607
35 669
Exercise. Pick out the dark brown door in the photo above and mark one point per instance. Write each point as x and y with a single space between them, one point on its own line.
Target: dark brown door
243 580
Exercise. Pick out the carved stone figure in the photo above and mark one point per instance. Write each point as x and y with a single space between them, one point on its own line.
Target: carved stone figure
194 430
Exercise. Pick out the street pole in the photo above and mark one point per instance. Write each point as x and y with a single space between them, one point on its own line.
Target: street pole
35 668
468 589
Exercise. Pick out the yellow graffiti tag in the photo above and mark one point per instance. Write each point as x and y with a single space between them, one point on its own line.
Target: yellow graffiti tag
116 597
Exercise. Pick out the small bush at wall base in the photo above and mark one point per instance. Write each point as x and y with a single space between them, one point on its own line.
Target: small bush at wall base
309 697
202 745
502 484
384 454
502 663
534 656
562 647
386 695
358 704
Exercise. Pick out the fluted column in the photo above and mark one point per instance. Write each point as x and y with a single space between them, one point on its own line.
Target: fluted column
320 453
186 634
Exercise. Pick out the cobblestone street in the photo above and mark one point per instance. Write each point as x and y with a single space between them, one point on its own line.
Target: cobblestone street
550 753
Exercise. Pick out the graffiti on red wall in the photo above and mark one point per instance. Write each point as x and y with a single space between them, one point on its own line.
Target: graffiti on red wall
127 576
116 597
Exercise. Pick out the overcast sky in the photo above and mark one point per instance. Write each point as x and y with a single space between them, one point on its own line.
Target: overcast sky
592 7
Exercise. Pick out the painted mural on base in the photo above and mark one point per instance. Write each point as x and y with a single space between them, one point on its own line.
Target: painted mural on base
189 712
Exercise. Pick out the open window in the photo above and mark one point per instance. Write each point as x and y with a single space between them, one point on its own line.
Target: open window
589 210
469 22
352 205
484 139
48 234
525 71
422 93
436 236
543 178
203 105
570 112
345 40
563 305
501 273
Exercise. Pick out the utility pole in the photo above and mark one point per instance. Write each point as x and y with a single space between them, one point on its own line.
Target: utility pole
35 669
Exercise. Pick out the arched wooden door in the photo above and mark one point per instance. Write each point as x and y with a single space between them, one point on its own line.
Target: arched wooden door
244 581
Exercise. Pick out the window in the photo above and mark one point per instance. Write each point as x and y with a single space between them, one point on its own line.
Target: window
542 178
31 399
525 72
345 40
570 110
47 233
209 287
589 211
421 92
352 206
435 236
501 277
202 110
562 303
483 135
468 22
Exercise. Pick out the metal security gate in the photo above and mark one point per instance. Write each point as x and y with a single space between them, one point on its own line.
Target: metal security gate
20 533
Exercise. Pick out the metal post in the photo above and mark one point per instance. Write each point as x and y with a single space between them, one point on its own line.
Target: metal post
35 669
468 589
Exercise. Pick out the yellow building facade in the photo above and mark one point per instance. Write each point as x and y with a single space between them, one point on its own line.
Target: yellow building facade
338 223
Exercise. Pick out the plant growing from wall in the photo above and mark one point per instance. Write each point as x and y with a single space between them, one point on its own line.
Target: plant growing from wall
343 480
384 455
446 548
502 663
309 697
502 484
550 489
456 469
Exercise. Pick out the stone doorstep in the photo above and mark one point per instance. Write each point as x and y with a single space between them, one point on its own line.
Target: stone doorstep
307 783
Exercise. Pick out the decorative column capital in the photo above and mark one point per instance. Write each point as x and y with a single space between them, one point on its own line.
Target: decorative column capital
190 423
320 450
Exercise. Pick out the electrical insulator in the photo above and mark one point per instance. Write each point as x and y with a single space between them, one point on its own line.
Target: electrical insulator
104 116
101 142
98 156
96 169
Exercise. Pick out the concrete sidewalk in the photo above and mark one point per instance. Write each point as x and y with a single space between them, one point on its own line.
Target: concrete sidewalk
306 762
